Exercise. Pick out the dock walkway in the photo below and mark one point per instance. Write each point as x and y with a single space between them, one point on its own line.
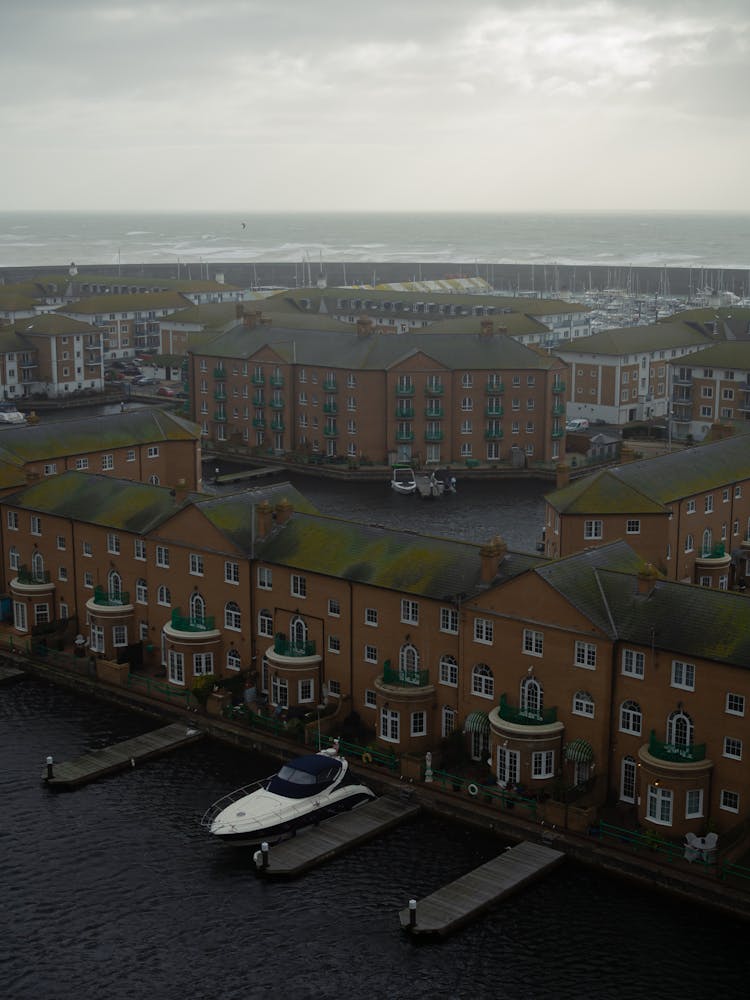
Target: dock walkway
9 673
455 904
313 846
90 766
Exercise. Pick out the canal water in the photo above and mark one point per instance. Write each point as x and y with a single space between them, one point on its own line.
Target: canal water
114 892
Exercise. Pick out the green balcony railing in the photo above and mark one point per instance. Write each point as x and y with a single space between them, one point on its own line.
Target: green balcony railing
110 599
434 389
405 678
330 385
558 387
219 373
433 436
560 432
330 432
258 379
558 409
220 417
404 435
495 388
187 623
277 425
277 404
491 410
493 435
432 413
259 422
676 752
277 381
258 399
526 717
220 396
404 390
330 408
287 647
404 412
28 577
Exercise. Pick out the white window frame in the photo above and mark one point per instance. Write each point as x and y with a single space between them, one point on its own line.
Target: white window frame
583 704
418 723
162 556
633 663
732 748
231 572
585 655
196 564
449 620
371 698
448 671
409 611
371 617
593 529
265 578
729 801
532 642
390 725
298 586
683 675
693 808
659 805
542 764
484 631
735 704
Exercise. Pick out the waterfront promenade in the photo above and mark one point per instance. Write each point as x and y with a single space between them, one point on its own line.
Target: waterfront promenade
627 858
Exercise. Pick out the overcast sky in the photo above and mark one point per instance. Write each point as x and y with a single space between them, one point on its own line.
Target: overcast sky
458 105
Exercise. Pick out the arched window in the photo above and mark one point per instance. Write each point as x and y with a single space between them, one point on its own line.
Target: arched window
631 719
197 609
141 591
14 558
234 660
482 681
679 729
532 697
408 664
298 633
688 543
164 597
265 622
114 585
449 670
232 616
37 567
583 704
154 480
627 779
707 543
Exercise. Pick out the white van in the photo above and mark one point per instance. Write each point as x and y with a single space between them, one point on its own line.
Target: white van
578 424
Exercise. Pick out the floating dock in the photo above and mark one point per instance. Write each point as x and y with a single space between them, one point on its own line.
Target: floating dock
459 902
8 673
314 845
93 765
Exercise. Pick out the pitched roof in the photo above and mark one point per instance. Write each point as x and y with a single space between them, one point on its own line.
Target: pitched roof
636 340
436 568
101 304
233 514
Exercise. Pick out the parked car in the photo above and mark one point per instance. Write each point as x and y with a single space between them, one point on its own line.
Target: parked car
145 380
164 390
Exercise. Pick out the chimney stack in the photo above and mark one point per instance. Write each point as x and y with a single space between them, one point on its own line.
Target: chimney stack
563 476
646 580
263 519
283 511
492 554
486 329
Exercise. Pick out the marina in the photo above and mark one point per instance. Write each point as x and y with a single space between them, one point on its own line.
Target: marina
97 763
334 836
463 900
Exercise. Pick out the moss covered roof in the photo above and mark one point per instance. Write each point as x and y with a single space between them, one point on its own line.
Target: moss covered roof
412 564
637 340
126 303
53 323
232 514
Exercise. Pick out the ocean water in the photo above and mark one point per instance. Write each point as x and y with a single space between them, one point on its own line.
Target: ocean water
650 239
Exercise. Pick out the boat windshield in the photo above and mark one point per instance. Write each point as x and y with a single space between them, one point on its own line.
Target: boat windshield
296 782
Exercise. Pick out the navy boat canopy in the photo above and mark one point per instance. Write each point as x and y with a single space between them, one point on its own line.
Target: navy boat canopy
305 776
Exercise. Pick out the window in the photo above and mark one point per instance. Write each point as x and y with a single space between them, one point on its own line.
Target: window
12 520
679 730
153 451
448 721
113 544
729 801
164 597
130 457
484 631
482 681
265 578
334 644
633 663
689 543
732 748
583 704
371 616
533 642
231 572
36 524
139 548
88 550
410 612
50 469
633 526
532 698
683 675
119 635
708 504
418 724
735 704
196 564
467 380
508 767
265 622
82 464
96 640
371 654
371 698
88 580
693 803
585 655
659 805
389 725
14 558
141 591
737 492
449 671
449 620
299 586
232 616
203 663
690 507
108 463
543 764
334 607
593 529
631 719
162 556
628 779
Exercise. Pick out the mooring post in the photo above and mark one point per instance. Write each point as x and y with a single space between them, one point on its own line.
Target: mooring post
264 853
412 914
428 767
50 768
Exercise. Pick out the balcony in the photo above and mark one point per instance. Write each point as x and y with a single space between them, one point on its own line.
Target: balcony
220 396
682 378
494 411
404 390
558 409
405 678
329 385
31 579
558 387
404 435
433 436
258 399
258 379
278 425
277 404
330 432
404 412
495 388
259 422
106 599
277 381
677 753
526 717
493 435
558 433
220 417
433 413
330 408
434 389
184 623
283 646
219 373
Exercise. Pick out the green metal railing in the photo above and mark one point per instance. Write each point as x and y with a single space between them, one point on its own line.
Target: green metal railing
434 389
675 752
649 840
28 577
404 390
411 678
156 688
524 717
106 599
732 870
495 388
376 756
558 387
286 647
404 412
488 793
185 623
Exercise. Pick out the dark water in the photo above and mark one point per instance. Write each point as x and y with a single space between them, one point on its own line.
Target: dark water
113 891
